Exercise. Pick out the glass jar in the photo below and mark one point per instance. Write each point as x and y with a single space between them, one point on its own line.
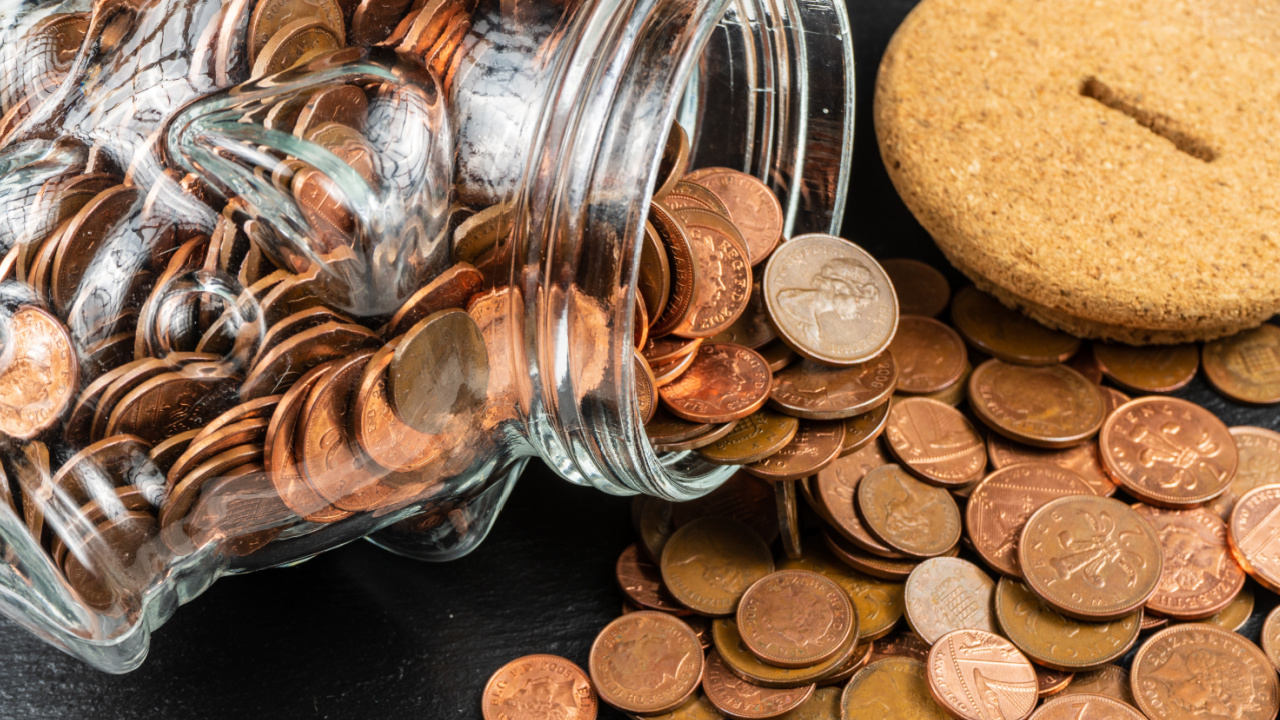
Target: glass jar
526 138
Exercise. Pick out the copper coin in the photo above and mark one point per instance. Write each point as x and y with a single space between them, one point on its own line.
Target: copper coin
172 402
665 428
440 372
954 394
830 300
182 497
874 565
815 446
725 382
105 465
386 439
662 350
930 355
1270 637
1246 366
913 518
1254 534
646 662
739 699
118 542
1168 452
1153 622
1051 682
641 581
41 377
292 295
1086 364
1149 369
697 707
205 446
82 239
796 618
1112 399
450 289
901 644
862 430
343 104
1198 670
724 274
1086 707
240 512
895 687
836 488
778 355
646 387
977 675
922 289
535 687
1200 577
947 594
818 392
1259 465
858 660
741 662
708 564
1049 406
272 15
279 455
281 367
1082 459
752 207
753 438
1000 505
685 272
935 442
1007 334
675 160
1235 614
1059 642
692 194
1090 558
1109 681
258 408
742 497
652 520
878 603
713 434
666 373
753 328
295 43
163 454
784 497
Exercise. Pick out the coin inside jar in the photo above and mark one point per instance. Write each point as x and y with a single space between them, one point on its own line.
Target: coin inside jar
506 693
41 378
708 564
440 371
1183 666
913 518
1200 577
1243 366
754 437
976 675
1007 334
646 662
930 355
1049 406
1150 369
1056 641
946 594
935 442
725 382
752 207
818 392
724 274
796 618
1000 505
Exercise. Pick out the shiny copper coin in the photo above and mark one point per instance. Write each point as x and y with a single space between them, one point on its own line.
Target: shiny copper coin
172 402
653 283
1051 682
1049 406
381 434
240 512
878 603
1090 558
1259 450
691 194
206 446
662 350
1149 369
708 564
82 239
641 581
667 373
753 438
930 355
725 382
742 497
675 160
1198 670
1109 681
535 687
1168 452
913 518
105 465
894 687
862 430
281 367
819 392
646 662
1270 637
166 452
935 442
753 328
1153 622
270 16
184 494
685 272
955 393
739 699
665 428
42 374
295 43
741 662
440 371
836 488
646 387
724 274
1007 334
922 289
1235 614
1254 534
1082 459
343 104
796 618
292 295
947 594
815 446
1200 577
752 207
1086 707
1059 642
450 289
1000 505
978 675
280 457
1246 366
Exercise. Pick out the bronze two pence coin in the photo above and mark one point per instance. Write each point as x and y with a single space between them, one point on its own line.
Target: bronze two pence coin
1200 576
1056 641
1197 670
796 618
753 438
976 675
908 516
1086 707
646 662
892 687
836 488
1000 505
1048 406
561 688
935 442
709 563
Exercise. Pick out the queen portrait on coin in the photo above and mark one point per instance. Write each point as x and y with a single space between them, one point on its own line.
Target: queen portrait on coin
842 287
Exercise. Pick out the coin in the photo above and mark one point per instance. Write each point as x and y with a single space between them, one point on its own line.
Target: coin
946 594
908 516
697 707
878 603
1199 577
725 382
280 367
675 160
796 618
1235 614
836 488
1007 334
922 290
270 16
742 497
1246 366
1259 464
816 445
930 355
1109 681
117 542
901 644
662 350
1086 707
387 440
1049 406
1271 637
1149 369
646 662
293 44
752 207
737 698
653 283
862 430
172 402
724 274
685 271
641 582
935 442
279 452
1051 682
696 195
1082 459
205 446
1000 505
1198 670
778 355
976 675
1059 642
708 564
1091 558
1254 534
713 434
817 392
539 686
1168 452
741 662
895 687
830 300
753 328
82 239
41 376
440 371
753 438
858 659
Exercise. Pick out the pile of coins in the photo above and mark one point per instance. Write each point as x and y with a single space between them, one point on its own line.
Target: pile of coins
1004 527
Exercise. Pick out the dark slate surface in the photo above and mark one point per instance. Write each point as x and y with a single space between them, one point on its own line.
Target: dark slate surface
359 633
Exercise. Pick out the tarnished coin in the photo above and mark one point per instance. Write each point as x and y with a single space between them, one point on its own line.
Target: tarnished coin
1254 534
1086 707
1200 577
1271 637
753 438
947 594
874 565
1259 464
824 704
270 16
710 562
742 700
741 662
836 489
646 387
978 675
440 372
796 618
724 274
815 446
1148 369
1168 452
1109 681
901 644
830 300
913 518
295 43
1059 642
641 581
1197 670
895 687
725 382
930 355
1082 459
935 442
173 402
817 392
1246 366
280 458
922 289
697 707
862 430
535 687
1051 682
878 603
1000 505
1090 557
646 662
41 376
1007 334
1235 614
1049 406
752 207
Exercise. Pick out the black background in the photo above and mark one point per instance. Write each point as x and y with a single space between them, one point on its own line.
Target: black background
360 633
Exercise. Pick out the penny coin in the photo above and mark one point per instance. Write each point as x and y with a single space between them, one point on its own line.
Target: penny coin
1051 682
908 516
901 644
1200 577
713 434
697 195
1082 459
1168 452
753 438
1000 505
175 401
1246 366
1059 642
930 355
653 283
685 271
41 377
279 452
895 687
663 350
1197 670
778 355
697 707
1259 465
862 430
946 594
664 428
922 289
796 618
282 366
1153 622
818 392
725 382
824 704
836 489
752 207
885 568
450 289
641 581
1049 406
1254 534
270 16
830 300
1086 364
741 662
674 162
652 520
935 442
646 662
954 394
858 659
118 542
665 373
165 453
539 686
976 675
1271 637
1149 369
205 446
724 274
752 328
1108 681
878 603
1086 707
742 497
1007 334
1234 615
740 699
1089 557
82 239
710 562
816 445
295 43
343 104
184 494
386 439
439 372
